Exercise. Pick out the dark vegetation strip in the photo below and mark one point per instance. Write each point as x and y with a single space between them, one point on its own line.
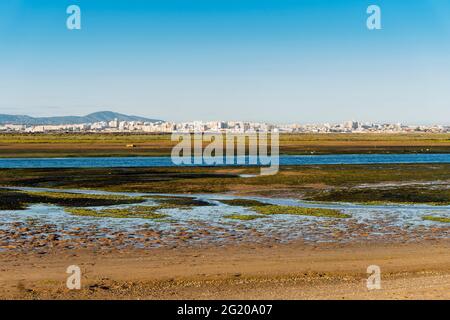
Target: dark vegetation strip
431 195
243 202
316 182
18 200
436 219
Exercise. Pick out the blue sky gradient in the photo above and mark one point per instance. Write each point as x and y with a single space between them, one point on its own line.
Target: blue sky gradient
263 60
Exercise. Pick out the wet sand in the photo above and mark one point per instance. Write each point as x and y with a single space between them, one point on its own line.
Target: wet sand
277 271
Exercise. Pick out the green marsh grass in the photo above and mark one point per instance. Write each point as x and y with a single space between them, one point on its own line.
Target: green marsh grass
141 212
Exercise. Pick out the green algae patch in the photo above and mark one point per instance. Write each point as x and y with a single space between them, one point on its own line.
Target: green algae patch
243 203
292 210
436 219
141 212
244 217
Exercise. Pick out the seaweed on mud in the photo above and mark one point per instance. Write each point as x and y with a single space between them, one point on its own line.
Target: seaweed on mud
157 180
141 212
315 212
10 200
20 200
436 219
244 217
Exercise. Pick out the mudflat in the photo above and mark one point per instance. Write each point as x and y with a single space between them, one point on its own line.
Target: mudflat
275 271
193 248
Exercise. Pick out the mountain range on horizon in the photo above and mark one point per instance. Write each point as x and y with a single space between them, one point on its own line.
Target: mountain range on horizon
90 118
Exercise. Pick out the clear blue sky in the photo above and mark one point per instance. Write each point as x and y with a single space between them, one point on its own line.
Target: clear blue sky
269 60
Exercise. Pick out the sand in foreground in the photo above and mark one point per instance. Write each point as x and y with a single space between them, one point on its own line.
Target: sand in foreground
293 271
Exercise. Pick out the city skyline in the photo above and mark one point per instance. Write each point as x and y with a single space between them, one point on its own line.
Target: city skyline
312 61
149 119
107 122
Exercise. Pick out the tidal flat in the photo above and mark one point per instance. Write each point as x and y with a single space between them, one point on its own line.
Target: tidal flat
204 219
396 183
437 219
134 231
163 207
174 233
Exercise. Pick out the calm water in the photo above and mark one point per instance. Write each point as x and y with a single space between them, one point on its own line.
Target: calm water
103 162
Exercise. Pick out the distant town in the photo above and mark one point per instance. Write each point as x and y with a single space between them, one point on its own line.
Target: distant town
116 126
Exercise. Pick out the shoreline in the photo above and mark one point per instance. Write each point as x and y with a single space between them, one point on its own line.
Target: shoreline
106 155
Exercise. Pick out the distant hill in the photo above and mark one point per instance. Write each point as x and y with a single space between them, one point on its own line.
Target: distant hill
90 118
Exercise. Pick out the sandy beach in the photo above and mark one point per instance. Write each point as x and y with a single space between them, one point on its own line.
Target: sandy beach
293 271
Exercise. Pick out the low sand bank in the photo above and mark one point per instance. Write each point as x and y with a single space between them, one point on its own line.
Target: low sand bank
294 271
